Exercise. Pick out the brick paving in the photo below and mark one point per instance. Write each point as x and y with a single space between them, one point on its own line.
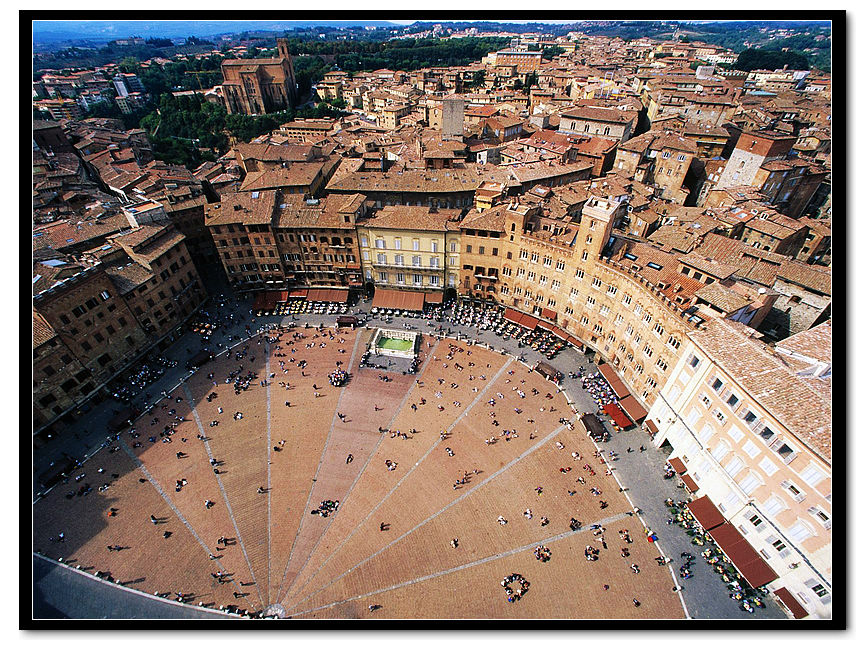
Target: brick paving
337 566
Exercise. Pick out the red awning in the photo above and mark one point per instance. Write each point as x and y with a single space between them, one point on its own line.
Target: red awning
512 315
747 561
690 483
396 299
529 322
266 300
573 340
618 415
613 380
562 334
678 465
434 298
298 293
549 314
791 603
547 327
706 513
633 408
651 426
327 295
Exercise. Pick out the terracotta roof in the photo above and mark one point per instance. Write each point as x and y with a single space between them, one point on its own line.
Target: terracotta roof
658 140
241 207
147 243
42 330
807 275
725 299
815 343
492 219
66 233
801 405
773 227
413 217
425 181
708 265
600 114
295 175
760 266
129 276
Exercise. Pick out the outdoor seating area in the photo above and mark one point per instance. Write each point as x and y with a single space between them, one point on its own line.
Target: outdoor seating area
747 596
301 301
129 386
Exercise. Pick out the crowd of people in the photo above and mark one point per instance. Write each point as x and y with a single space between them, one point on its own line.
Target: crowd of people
511 594
596 386
325 508
338 377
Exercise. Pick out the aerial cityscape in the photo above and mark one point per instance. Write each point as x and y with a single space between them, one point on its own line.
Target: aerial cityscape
470 320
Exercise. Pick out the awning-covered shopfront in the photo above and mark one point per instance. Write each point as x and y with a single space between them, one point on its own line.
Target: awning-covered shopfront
512 315
617 415
266 300
396 299
549 314
327 295
633 408
678 465
706 513
747 561
529 322
791 603
690 483
613 380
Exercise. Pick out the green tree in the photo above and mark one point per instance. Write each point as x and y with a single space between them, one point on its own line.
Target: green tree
129 64
758 59
552 51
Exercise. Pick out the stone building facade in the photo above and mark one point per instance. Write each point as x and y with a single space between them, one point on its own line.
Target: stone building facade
259 86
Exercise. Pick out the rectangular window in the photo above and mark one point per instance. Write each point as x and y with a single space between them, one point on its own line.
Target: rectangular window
734 466
797 494
812 475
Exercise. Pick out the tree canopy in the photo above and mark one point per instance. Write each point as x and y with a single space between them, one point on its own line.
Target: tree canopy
753 59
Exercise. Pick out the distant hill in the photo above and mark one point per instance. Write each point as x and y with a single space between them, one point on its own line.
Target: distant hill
46 31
